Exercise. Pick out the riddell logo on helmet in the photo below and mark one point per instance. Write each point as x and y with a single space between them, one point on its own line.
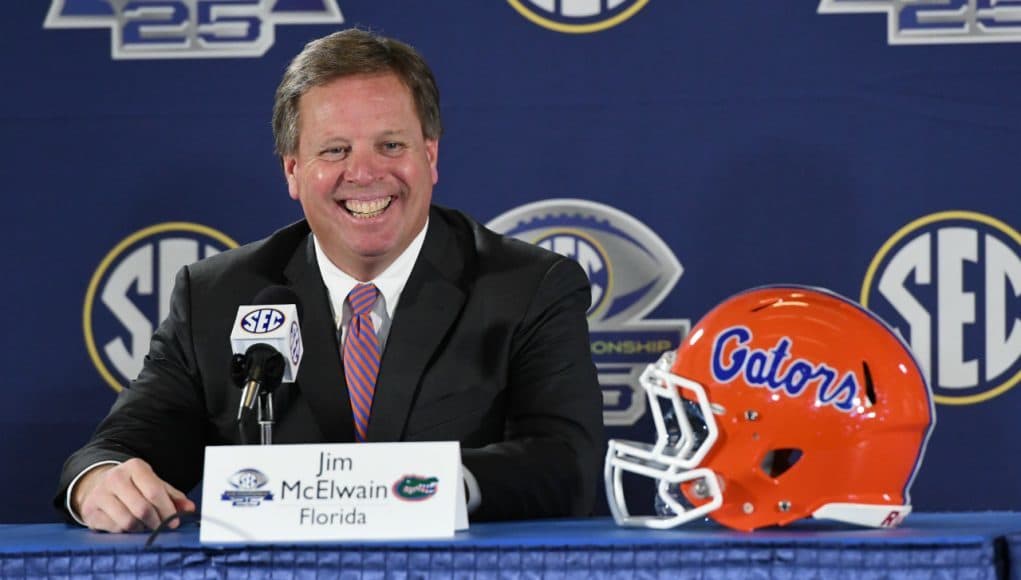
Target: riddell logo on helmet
733 358
892 520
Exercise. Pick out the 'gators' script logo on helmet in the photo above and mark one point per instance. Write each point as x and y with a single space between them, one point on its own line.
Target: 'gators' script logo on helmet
770 369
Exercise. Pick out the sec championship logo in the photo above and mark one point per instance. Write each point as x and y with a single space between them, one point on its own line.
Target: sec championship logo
950 284
129 294
630 269
577 16
189 28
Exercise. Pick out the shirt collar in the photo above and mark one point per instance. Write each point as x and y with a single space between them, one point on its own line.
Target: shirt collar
390 282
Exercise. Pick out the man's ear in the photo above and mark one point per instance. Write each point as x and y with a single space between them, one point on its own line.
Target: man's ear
290 163
432 153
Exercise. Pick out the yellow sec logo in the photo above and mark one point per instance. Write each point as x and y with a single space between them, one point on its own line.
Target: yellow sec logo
129 293
577 16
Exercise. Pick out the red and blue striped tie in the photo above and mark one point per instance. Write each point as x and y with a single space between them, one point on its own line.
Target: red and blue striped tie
361 356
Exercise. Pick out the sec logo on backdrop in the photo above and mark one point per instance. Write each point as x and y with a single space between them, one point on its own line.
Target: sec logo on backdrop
129 293
950 284
631 270
577 16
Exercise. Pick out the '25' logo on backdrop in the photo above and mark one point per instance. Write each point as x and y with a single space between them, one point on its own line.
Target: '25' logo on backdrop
151 29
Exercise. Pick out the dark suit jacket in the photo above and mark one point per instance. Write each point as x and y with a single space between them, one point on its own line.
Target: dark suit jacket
488 346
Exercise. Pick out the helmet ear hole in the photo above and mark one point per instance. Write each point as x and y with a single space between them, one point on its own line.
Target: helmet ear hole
779 461
870 387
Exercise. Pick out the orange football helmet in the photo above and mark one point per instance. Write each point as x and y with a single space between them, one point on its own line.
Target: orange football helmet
782 403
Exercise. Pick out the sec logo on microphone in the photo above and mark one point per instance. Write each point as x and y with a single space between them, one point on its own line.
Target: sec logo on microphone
129 293
295 340
262 320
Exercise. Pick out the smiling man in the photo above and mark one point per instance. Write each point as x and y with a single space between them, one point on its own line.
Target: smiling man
419 324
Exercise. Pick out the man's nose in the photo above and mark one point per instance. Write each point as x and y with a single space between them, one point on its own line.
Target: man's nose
362 167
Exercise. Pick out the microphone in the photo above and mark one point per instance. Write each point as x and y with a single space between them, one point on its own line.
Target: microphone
266 342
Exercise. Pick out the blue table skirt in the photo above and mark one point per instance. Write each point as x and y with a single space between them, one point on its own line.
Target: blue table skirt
952 546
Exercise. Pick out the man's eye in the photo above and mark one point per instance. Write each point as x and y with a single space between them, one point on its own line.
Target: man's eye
335 152
392 147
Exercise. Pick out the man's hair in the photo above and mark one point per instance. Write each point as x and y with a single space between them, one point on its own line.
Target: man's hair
353 52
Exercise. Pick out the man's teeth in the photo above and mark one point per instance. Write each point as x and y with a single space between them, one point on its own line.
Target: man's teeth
368 208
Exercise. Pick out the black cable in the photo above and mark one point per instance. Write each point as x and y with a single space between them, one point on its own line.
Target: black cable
187 517
183 516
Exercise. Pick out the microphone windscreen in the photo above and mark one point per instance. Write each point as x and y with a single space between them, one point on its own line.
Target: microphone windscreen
273 321
278 295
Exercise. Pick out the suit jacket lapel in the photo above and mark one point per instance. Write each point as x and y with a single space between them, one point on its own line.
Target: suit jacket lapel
320 378
429 305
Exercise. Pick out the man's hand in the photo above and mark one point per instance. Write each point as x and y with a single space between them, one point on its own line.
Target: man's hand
126 498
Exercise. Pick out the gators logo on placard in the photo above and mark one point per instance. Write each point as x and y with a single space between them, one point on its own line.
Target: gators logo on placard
415 487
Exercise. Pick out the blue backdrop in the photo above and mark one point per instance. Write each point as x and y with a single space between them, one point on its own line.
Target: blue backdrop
689 149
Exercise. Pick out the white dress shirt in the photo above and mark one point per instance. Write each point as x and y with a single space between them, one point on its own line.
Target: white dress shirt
390 284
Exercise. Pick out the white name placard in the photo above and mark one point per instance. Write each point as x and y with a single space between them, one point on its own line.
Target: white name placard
325 492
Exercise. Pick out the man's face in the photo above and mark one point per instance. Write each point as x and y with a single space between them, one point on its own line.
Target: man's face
363 171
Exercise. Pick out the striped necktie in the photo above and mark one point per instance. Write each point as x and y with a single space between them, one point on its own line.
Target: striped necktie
361 356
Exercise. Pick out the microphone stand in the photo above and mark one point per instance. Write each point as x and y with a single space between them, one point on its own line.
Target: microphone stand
265 416
257 373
